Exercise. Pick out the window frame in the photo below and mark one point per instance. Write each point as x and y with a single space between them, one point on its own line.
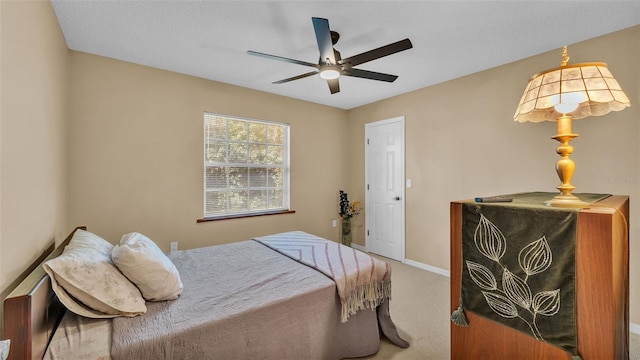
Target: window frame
285 166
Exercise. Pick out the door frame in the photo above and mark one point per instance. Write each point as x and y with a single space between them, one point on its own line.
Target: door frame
367 219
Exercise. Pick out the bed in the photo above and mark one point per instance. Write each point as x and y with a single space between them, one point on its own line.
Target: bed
276 307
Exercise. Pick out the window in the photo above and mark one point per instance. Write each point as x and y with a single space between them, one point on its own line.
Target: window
246 166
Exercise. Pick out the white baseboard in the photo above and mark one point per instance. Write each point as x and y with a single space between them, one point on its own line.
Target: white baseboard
634 328
359 247
420 265
426 267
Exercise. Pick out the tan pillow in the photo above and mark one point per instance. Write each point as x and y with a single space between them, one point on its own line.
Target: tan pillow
142 261
87 282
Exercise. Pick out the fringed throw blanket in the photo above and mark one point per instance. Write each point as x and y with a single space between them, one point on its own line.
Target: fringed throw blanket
361 280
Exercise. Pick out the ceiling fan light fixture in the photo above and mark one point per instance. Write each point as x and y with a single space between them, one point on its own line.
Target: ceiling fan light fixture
330 72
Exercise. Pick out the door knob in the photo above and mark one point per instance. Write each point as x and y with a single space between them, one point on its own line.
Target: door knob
397 198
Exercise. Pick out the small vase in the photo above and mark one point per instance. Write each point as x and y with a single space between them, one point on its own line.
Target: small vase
346 231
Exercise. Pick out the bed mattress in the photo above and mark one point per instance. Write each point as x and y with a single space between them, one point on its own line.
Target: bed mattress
240 300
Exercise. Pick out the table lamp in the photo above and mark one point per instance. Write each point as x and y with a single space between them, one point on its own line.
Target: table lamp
571 91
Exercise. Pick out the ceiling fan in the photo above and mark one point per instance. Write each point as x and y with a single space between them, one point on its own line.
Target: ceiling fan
331 66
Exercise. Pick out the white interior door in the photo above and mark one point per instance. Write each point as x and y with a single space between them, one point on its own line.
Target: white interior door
384 177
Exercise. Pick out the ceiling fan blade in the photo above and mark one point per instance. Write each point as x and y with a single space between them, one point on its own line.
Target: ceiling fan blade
377 53
323 36
334 85
366 74
295 77
275 57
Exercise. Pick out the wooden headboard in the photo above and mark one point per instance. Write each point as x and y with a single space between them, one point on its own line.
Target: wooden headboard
32 311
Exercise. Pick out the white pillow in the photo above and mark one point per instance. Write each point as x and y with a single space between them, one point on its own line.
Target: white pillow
87 282
142 261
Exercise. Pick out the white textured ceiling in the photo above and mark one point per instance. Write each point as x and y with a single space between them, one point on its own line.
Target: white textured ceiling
210 39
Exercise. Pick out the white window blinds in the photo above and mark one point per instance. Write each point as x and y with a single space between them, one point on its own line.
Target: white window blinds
246 166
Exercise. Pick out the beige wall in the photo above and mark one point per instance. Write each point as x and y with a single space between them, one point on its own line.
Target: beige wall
461 142
136 154
33 189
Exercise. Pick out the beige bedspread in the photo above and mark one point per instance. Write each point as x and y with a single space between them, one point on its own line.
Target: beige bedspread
244 300
80 338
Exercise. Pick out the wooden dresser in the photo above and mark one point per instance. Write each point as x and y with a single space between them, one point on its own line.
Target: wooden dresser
602 294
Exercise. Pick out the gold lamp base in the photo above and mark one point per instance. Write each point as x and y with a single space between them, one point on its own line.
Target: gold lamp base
567 201
565 167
